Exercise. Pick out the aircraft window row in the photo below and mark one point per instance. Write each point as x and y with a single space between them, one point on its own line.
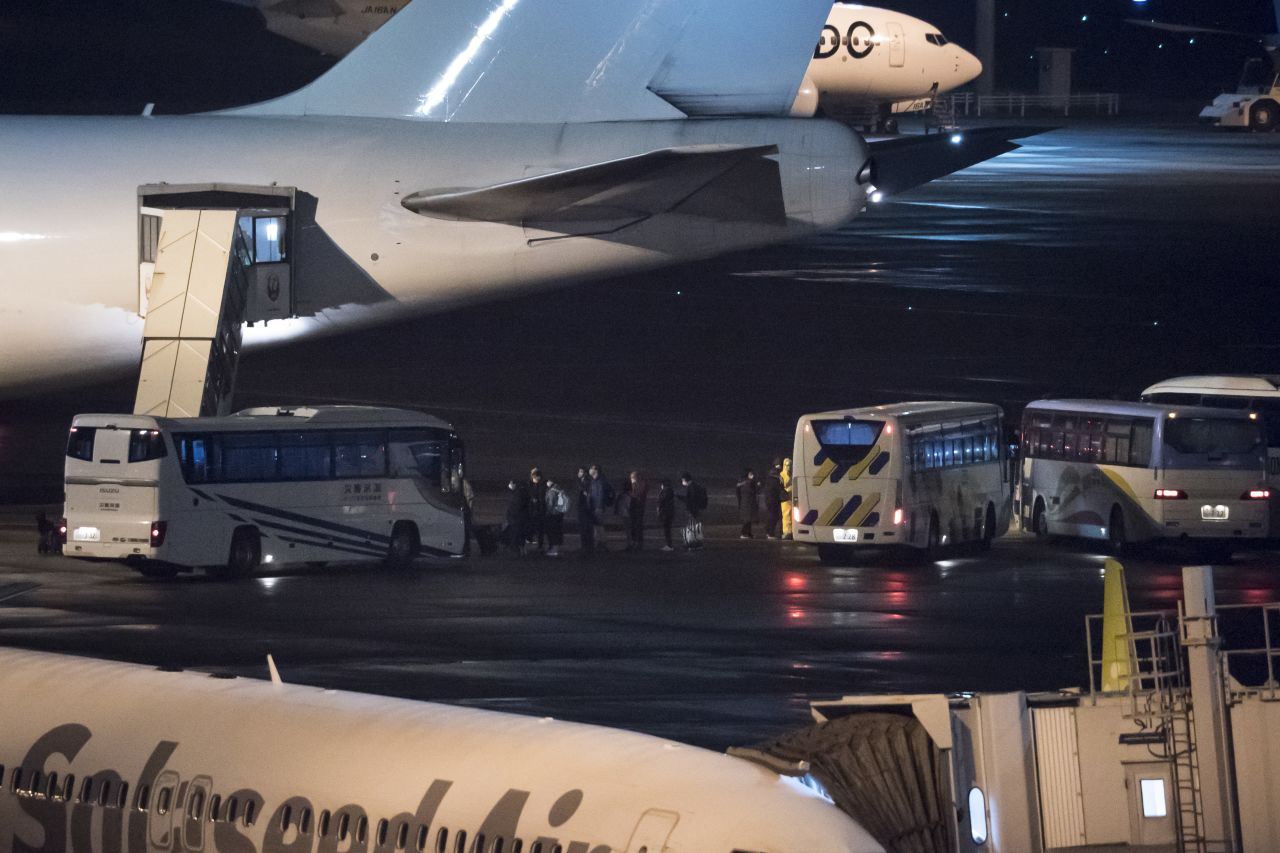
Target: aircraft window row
108 794
953 446
1096 438
114 794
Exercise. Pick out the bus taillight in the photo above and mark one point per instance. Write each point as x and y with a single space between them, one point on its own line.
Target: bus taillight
158 530
795 513
1170 495
898 517
1256 495
62 528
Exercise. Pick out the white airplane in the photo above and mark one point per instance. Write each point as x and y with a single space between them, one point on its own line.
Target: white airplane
870 57
118 757
452 156
866 57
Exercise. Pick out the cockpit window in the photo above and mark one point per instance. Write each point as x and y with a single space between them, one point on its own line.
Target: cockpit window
935 38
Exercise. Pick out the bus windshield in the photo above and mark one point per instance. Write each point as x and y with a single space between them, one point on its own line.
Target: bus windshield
847 441
1236 443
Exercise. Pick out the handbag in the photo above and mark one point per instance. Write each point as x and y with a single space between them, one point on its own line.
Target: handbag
693 534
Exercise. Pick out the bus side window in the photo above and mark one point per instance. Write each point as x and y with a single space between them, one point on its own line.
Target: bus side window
194 457
1140 443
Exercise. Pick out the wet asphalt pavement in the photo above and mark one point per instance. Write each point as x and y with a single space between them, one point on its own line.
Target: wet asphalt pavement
719 647
1097 259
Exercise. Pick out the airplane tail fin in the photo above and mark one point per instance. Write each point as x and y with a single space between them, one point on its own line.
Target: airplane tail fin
556 61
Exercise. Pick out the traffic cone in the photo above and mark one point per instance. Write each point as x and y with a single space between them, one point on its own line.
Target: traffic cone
1115 629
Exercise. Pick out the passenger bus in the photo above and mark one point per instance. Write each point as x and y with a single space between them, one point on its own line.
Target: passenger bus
1259 394
1141 472
263 486
919 475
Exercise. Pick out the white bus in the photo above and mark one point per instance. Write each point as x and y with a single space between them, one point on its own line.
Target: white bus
263 486
921 475
1259 394
1140 472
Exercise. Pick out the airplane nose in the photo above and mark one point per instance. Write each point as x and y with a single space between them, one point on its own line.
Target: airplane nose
968 66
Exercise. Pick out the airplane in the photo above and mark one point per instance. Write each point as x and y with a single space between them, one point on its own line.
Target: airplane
450 157
109 756
871 58
867 58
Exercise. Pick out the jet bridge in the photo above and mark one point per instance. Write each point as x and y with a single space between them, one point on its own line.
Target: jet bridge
211 257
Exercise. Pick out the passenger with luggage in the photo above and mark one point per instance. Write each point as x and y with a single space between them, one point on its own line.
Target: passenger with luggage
556 504
695 501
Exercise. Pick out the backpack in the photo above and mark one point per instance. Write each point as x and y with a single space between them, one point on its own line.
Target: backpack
557 501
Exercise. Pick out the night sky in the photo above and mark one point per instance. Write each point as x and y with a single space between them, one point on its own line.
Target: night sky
100 56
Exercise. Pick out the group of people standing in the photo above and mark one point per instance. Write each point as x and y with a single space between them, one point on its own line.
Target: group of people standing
536 511
776 492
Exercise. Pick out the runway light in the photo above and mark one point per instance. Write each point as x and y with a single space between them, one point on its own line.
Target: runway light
957 138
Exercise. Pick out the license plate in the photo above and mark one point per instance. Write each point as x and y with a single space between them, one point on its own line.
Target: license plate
86 534
1214 513
846 535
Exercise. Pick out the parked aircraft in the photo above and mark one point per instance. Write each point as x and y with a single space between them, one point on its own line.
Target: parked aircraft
451 156
866 58
110 756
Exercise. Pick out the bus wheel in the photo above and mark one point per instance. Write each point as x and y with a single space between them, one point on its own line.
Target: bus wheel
934 547
988 529
244 556
1040 521
405 545
1115 533
156 570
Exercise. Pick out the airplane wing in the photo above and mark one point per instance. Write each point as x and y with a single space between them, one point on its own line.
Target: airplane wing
556 61
1187 29
617 193
905 162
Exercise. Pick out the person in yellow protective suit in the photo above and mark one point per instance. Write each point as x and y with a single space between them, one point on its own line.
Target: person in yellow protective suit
786 498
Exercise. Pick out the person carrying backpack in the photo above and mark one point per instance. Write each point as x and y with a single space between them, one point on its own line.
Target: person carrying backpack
557 504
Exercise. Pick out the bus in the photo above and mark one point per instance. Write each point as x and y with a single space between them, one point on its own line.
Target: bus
265 486
1259 394
920 475
1143 472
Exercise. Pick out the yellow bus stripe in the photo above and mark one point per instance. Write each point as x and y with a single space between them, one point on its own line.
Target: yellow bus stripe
831 511
824 471
1119 482
870 503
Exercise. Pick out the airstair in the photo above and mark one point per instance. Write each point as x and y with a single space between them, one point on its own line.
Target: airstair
211 258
